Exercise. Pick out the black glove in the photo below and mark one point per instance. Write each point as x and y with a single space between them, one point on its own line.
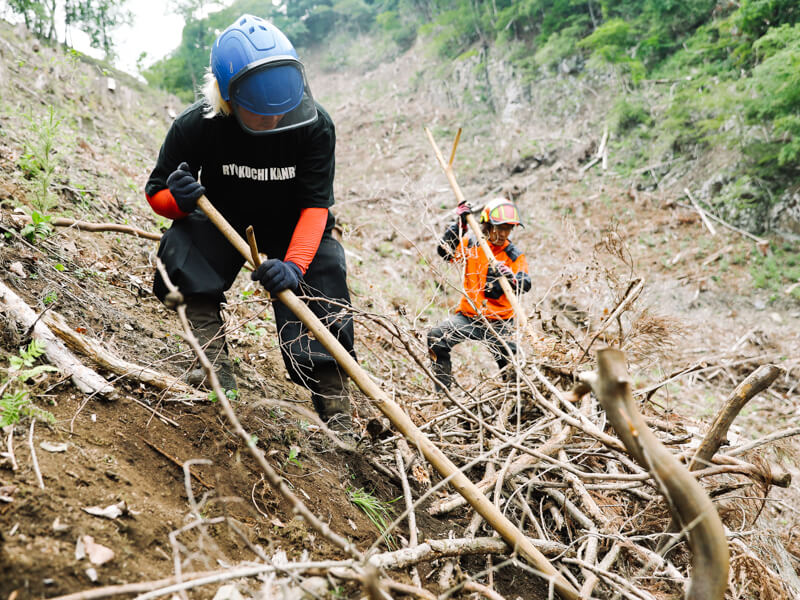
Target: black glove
276 275
493 288
184 188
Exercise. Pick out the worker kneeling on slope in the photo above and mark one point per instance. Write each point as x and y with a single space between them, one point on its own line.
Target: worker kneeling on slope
262 150
483 313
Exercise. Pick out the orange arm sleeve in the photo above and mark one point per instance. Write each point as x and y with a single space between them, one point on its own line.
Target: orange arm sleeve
306 237
164 204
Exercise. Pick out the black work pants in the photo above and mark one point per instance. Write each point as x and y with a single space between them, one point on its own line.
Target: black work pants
201 262
460 328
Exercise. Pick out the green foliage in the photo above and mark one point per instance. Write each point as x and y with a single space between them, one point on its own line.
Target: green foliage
755 17
559 46
627 113
229 394
402 33
40 159
39 227
294 453
98 19
775 94
16 402
777 270
612 43
377 511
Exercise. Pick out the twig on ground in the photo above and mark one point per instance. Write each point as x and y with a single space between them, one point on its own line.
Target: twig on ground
10 446
34 459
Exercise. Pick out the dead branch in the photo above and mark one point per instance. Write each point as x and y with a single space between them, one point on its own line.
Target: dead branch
412 516
10 445
700 211
88 226
435 549
754 384
176 462
518 466
34 460
85 379
687 500
483 590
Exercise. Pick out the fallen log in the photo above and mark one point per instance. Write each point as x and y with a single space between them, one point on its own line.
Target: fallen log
111 362
84 378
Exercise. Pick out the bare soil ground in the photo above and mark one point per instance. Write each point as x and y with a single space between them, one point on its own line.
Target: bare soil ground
587 236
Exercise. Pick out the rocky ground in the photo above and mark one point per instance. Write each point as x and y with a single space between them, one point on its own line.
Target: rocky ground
589 236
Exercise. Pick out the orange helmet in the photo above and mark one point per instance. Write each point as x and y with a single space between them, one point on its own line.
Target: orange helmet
500 211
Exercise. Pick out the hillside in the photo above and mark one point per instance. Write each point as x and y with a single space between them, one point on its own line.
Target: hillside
698 313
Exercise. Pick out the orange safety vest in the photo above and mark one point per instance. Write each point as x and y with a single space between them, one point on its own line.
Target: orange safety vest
470 253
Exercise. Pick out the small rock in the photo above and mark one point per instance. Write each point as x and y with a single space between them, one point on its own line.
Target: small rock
17 269
58 526
53 447
97 553
776 317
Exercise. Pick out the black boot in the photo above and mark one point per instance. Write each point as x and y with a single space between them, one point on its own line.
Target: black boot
442 370
331 399
206 323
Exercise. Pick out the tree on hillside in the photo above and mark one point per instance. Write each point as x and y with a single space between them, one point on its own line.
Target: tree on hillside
40 17
96 18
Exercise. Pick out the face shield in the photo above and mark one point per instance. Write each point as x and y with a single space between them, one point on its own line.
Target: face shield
272 95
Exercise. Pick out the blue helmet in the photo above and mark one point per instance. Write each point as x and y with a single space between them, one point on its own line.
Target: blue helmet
258 72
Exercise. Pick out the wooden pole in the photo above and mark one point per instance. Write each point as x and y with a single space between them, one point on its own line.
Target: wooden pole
507 530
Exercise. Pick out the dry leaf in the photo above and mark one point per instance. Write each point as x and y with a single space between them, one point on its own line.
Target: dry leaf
420 474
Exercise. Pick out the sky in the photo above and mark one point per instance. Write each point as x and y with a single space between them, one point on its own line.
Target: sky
154 31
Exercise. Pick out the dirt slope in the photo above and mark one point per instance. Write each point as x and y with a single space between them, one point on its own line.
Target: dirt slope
587 236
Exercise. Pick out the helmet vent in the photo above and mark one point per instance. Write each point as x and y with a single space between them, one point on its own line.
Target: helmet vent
252 29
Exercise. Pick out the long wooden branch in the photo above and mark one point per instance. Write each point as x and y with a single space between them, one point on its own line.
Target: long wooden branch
754 384
85 379
687 500
89 226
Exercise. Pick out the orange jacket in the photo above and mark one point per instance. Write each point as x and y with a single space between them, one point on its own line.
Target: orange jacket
476 273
